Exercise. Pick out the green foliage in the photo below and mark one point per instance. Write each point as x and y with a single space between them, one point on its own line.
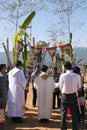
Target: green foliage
22 35
28 20
30 57
39 57
70 38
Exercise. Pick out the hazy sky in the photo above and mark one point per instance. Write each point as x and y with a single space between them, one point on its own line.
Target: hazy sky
43 20
41 23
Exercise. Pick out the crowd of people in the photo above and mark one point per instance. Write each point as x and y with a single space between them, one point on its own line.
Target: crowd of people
50 89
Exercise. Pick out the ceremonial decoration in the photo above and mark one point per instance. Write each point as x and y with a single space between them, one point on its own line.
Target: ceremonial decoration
52 53
50 48
7 54
37 49
20 41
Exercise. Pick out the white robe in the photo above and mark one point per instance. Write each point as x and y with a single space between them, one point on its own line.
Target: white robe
45 90
16 99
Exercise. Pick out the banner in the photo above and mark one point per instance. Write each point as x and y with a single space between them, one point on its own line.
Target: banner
50 48
36 52
52 53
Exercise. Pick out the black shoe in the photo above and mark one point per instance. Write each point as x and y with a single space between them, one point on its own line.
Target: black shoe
13 119
59 107
54 108
17 120
34 105
44 120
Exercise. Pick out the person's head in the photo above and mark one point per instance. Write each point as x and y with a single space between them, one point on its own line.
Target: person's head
44 68
37 68
3 69
67 66
19 64
76 70
49 71
54 70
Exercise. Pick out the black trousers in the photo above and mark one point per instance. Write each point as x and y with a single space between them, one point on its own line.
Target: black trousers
69 100
56 94
34 96
81 115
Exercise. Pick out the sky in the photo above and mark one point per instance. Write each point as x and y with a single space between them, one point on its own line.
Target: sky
41 23
43 20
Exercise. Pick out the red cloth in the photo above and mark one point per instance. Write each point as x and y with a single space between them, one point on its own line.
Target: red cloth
69 111
2 117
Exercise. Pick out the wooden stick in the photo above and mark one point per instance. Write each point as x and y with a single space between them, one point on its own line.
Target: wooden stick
8 58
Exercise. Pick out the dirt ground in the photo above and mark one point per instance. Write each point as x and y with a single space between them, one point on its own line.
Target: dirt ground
31 119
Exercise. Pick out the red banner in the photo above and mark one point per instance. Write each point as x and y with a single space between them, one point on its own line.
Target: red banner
52 53
49 48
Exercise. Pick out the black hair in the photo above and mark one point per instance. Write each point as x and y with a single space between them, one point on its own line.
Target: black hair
18 63
2 66
68 65
76 70
37 66
55 68
44 68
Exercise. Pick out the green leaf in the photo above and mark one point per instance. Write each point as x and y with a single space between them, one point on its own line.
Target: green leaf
24 60
28 20
23 32
70 38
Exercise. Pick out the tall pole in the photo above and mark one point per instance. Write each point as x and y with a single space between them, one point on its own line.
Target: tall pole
31 23
8 58
7 43
17 15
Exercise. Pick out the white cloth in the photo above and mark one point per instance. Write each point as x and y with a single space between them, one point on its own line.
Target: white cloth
45 88
16 100
57 85
69 82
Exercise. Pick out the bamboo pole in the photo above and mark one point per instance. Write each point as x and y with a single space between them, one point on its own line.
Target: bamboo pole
8 58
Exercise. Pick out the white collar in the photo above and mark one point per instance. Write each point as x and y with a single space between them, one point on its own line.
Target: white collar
69 71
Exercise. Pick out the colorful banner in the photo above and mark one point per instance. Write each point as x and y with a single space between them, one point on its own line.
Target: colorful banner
36 52
52 53
50 48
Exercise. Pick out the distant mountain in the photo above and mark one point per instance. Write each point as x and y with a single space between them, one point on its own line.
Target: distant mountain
79 53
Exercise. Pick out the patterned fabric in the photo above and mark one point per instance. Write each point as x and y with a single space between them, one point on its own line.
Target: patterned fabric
2 117
3 91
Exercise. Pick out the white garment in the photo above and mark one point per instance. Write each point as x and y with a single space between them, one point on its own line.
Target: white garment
69 82
45 88
16 99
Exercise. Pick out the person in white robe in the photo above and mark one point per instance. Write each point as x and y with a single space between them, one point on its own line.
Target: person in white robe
44 85
16 98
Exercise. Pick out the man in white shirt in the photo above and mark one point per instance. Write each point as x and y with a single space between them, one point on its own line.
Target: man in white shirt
34 74
69 84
